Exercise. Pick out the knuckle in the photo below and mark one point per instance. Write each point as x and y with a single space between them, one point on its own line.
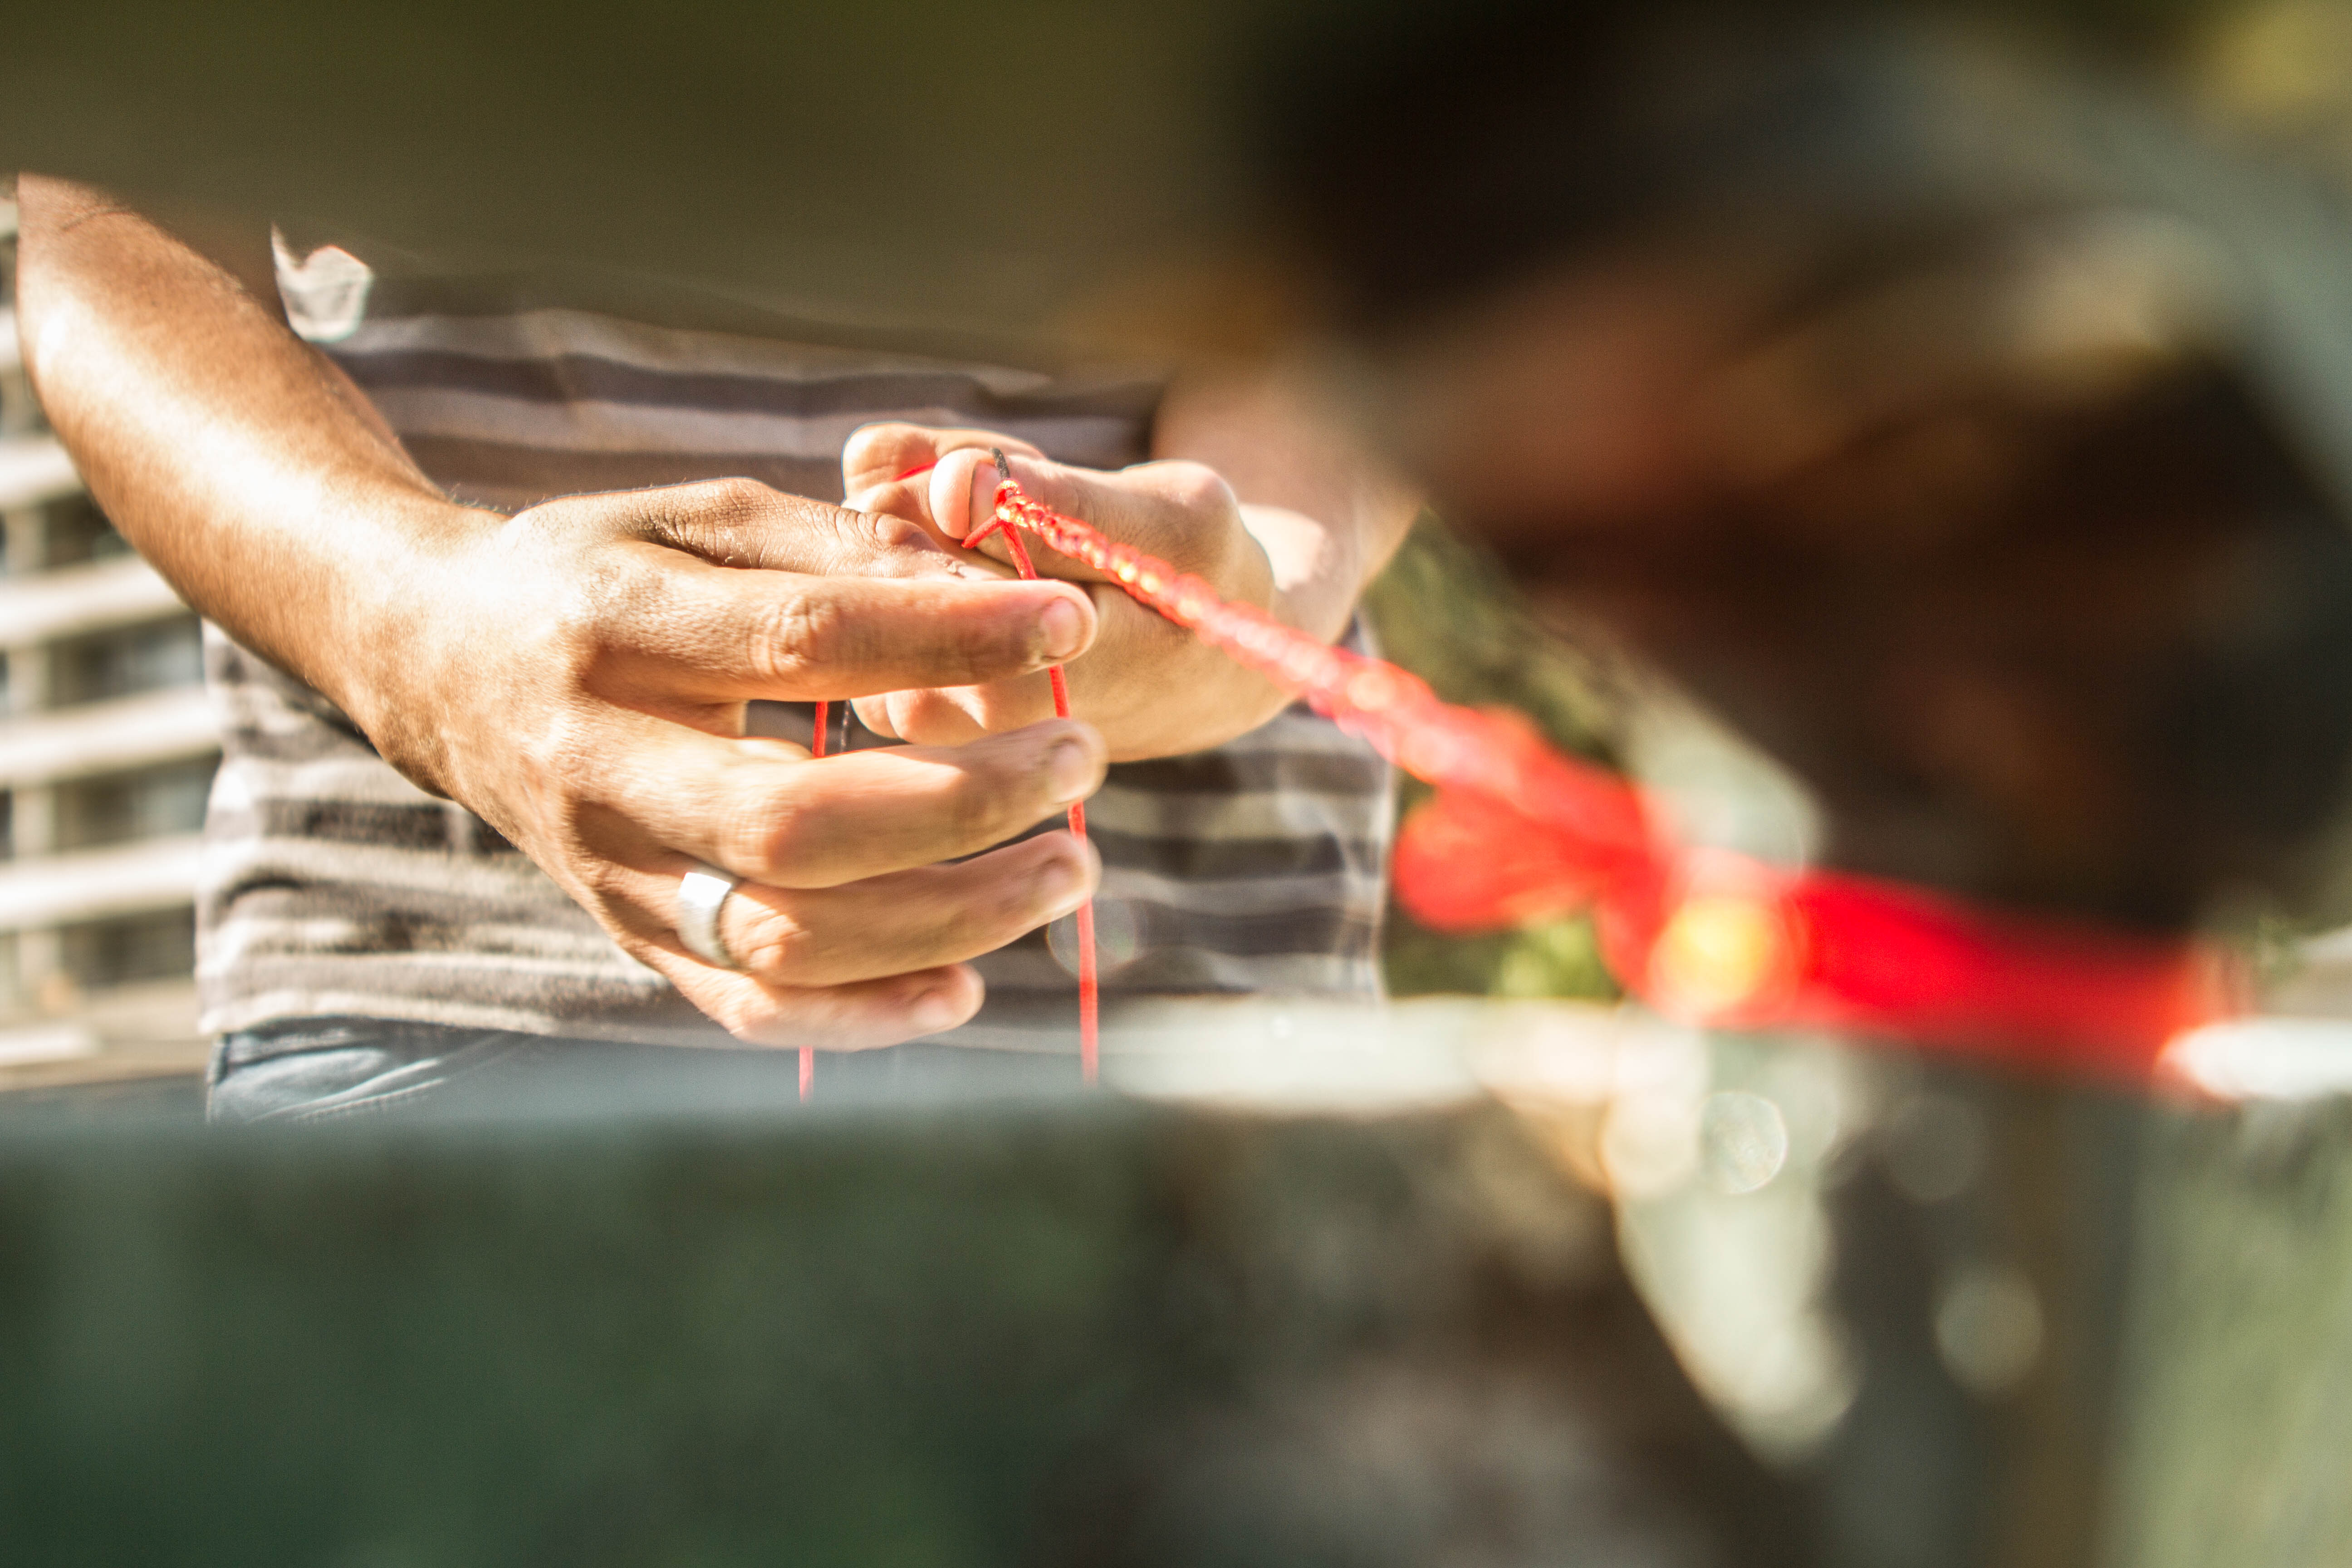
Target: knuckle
602 591
891 534
961 928
707 518
734 497
590 620
982 809
768 833
1190 486
798 633
770 945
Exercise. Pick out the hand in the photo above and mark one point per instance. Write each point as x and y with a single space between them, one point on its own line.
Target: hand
1152 688
586 694
577 674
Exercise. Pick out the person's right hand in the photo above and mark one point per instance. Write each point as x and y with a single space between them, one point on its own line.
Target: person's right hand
584 691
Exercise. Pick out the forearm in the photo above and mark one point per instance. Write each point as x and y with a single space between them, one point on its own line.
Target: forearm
227 450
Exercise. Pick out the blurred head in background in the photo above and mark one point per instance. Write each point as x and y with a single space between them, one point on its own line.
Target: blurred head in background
1942 406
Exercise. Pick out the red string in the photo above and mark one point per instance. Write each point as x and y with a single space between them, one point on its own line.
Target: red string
1090 1049
1519 829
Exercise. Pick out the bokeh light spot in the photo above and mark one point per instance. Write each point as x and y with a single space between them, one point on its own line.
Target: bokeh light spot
1744 1139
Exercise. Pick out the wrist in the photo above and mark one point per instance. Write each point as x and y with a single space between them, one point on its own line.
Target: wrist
407 642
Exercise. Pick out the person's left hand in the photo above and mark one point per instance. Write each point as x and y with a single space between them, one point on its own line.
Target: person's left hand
1152 688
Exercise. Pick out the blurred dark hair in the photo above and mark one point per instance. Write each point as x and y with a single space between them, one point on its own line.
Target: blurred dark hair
1424 152
1426 160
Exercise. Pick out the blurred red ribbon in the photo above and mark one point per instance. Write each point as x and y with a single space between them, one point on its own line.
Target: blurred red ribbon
1520 831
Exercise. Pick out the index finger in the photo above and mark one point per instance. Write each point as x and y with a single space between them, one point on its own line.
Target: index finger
701 632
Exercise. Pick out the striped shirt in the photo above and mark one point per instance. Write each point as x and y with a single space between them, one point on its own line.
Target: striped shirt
334 887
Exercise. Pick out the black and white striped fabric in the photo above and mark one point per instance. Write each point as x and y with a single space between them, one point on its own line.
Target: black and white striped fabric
334 888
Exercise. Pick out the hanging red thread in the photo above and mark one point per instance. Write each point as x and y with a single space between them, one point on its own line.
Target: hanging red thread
1089 1045
1519 829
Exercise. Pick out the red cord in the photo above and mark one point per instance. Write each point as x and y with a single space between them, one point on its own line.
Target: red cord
1089 1046
1519 829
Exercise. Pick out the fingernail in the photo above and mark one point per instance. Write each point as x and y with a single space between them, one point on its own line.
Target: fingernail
1070 772
934 1011
1064 627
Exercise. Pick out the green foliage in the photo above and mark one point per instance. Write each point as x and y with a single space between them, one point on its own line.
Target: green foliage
1446 612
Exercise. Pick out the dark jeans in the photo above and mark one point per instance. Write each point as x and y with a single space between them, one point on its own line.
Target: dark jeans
320 1069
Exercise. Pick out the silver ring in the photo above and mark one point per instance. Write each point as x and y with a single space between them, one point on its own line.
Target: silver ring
701 894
